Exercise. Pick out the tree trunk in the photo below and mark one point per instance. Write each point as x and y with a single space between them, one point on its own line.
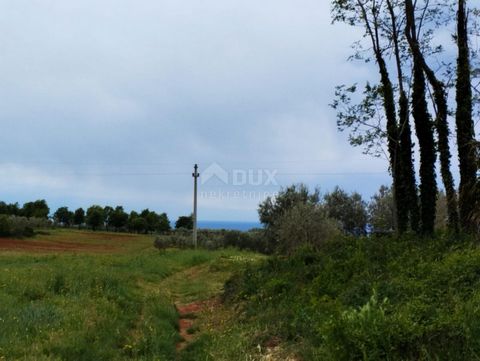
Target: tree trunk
441 124
408 199
408 170
465 127
424 129
444 149
390 114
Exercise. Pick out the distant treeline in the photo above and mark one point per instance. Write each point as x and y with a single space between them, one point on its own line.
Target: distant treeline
96 217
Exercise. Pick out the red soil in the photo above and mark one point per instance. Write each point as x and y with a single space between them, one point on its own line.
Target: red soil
188 313
51 246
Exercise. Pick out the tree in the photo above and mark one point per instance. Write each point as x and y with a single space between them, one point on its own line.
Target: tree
468 198
63 216
136 223
151 218
305 224
185 222
37 209
118 218
272 209
12 209
157 222
79 217
349 210
370 125
95 217
163 224
381 210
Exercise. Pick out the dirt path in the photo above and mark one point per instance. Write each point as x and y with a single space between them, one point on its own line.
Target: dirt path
194 292
188 315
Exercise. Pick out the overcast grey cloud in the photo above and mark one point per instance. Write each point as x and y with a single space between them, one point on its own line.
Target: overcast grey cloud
112 102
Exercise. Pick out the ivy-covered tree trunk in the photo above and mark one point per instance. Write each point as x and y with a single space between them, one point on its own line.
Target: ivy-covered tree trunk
443 131
424 129
465 126
408 170
408 199
372 27
393 147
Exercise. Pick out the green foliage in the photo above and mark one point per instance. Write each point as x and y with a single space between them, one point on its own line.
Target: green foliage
63 216
381 210
138 225
305 224
358 117
155 222
377 298
185 222
95 217
37 209
10 209
79 217
272 209
118 218
254 240
348 209
14 226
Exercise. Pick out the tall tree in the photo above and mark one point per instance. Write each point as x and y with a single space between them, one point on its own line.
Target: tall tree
369 15
95 217
439 101
424 127
465 126
63 216
118 218
163 224
37 209
79 217
409 197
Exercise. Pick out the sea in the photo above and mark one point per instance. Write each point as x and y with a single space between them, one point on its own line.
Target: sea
229 225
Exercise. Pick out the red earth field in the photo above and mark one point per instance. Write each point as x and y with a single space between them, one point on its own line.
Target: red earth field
73 241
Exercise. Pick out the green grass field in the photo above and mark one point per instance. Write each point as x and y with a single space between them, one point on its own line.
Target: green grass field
75 295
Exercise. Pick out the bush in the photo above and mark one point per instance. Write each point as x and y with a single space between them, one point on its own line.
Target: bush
253 240
305 224
14 226
370 298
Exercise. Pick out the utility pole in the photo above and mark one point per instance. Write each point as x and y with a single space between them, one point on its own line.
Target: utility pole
195 176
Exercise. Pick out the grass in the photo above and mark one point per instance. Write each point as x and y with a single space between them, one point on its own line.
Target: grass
109 298
355 299
115 297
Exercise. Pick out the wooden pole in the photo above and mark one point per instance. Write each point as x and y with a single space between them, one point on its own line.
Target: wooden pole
195 176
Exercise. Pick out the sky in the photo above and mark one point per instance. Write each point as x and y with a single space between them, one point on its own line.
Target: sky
112 102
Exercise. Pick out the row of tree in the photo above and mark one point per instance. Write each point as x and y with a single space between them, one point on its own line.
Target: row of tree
403 37
298 216
97 217
113 219
37 209
352 213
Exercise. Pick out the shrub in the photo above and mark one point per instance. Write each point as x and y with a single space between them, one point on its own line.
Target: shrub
214 239
14 226
320 302
304 224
